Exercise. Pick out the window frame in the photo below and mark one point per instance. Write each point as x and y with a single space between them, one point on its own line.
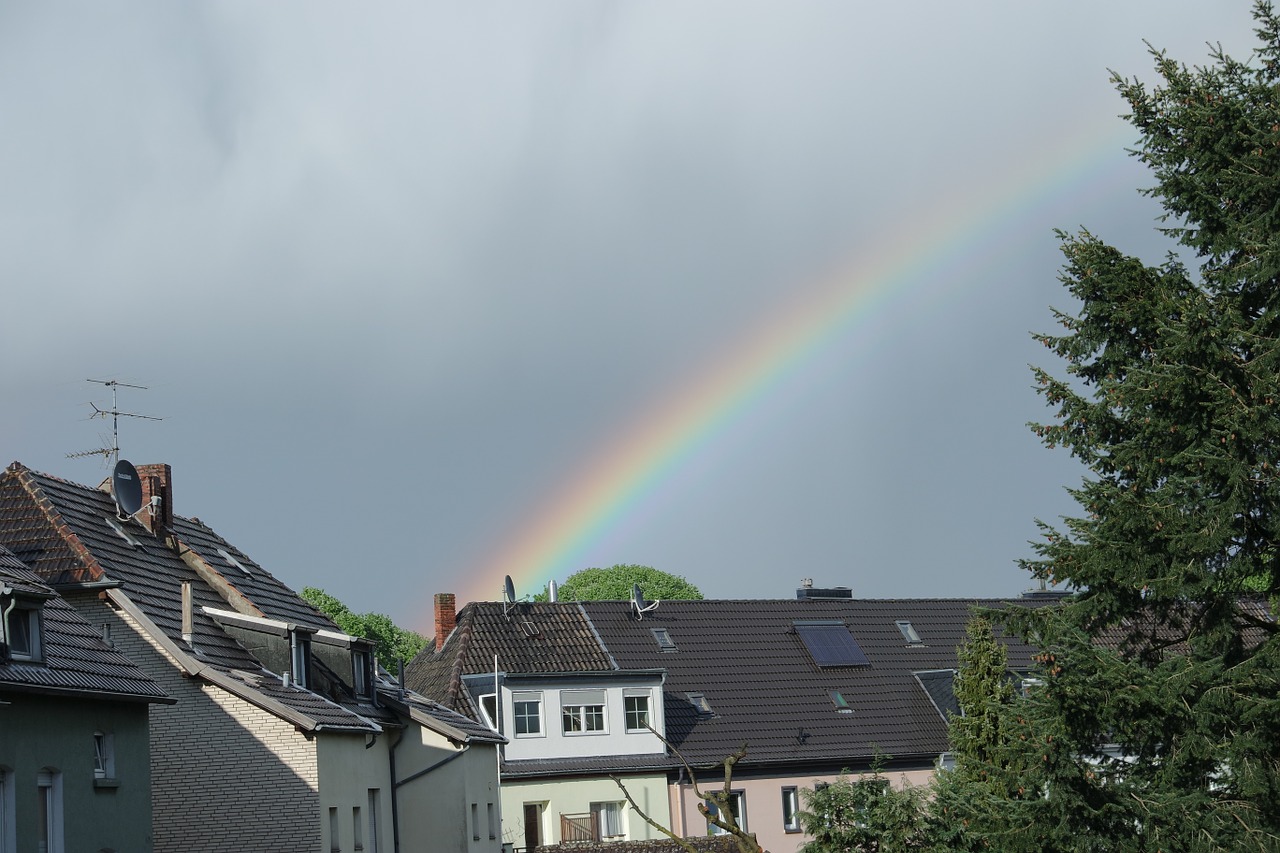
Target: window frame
643 717
618 809
520 718
104 755
49 801
791 808
361 673
30 617
737 797
584 712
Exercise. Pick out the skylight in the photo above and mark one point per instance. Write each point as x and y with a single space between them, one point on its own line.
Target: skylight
908 632
232 561
830 644
842 706
700 704
664 639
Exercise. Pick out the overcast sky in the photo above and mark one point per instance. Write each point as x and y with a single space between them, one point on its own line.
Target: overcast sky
402 277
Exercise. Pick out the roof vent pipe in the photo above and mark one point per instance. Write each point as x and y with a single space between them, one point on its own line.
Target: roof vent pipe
188 632
553 592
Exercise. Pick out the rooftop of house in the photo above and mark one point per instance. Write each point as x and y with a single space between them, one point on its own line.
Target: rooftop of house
74 661
807 680
73 537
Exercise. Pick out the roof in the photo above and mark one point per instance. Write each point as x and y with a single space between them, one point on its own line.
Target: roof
75 660
69 534
526 637
813 681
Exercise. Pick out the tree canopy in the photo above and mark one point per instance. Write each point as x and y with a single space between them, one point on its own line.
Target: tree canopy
394 643
615 582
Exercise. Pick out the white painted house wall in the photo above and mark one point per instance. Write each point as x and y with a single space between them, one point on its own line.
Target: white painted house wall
554 742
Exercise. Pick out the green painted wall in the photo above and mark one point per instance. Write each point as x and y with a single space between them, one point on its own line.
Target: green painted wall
38 732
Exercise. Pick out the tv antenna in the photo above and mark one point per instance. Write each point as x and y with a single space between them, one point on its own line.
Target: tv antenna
638 602
116 415
508 595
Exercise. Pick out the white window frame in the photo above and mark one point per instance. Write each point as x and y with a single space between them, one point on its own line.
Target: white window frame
361 673
629 694
375 796
300 657
522 719
489 710
584 713
29 618
790 808
737 797
49 800
618 810
104 755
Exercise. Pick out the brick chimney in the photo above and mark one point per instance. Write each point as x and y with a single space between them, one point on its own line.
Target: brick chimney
446 617
157 481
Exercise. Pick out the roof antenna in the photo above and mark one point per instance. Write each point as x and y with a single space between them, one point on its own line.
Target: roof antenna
508 595
116 414
639 604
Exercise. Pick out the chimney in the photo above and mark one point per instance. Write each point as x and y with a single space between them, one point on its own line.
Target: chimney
446 618
157 482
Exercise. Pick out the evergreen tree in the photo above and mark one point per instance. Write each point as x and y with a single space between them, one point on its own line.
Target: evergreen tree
862 814
1159 723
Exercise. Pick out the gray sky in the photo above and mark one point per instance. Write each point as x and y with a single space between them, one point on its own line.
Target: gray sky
400 277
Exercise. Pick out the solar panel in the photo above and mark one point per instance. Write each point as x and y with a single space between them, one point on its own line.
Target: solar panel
830 644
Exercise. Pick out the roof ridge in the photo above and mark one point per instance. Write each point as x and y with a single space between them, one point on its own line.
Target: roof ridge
27 479
462 630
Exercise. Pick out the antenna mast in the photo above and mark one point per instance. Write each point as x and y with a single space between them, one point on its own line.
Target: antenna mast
116 414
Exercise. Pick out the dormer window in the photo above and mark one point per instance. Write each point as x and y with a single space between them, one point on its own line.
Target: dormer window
300 656
360 672
22 631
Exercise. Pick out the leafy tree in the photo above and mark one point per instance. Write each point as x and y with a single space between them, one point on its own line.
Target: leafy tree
864 814
614 584
1158 726
394 643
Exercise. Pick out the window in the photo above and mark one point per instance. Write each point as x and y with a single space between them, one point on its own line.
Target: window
908 632
360 670
475 821
24 633
700 704
374 796
533 825
357 829
737 806
493 823
8 831
582 711
527 714
636 705
49 811
830 644
335 845
842 705
664 639
609 820
790 809
489 707
104 756
300 657
232 561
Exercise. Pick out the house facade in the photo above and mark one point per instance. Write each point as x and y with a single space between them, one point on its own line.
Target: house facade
813 686
75 770
280 719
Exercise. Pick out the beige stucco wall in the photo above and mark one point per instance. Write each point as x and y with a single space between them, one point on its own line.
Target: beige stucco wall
448 808
764 804
350 777
575 796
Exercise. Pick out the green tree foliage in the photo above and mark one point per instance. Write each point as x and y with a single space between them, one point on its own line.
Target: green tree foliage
394 644
1170 399
614 584
864 814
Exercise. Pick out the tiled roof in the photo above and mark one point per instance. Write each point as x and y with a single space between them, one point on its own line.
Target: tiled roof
75 659
69 533
527 637
594 766
764 688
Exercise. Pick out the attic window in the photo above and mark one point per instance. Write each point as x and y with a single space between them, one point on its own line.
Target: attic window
700 704
842 706
232 561
664 639
908 632
122 533
23 633
830 644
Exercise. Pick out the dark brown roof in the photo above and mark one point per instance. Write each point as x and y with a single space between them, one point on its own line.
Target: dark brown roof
69 533
764 688
527 637
75 660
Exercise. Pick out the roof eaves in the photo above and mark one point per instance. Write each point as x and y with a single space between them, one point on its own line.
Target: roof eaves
79 693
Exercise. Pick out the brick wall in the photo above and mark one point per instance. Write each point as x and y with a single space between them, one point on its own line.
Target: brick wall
225 775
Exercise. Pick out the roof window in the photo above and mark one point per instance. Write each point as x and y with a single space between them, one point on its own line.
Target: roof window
122 533
22 631
232 561
842 706
700 704
664 639
908 632
830 644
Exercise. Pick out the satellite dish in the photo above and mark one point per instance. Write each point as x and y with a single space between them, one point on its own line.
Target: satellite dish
126 486
637 601
508 595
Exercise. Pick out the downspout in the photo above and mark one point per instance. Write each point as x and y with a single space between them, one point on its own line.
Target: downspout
684 830
395 815
4 619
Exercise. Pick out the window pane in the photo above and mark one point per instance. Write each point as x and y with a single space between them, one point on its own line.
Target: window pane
528 717
637 712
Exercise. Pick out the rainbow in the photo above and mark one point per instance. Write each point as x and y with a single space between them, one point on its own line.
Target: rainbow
906 271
